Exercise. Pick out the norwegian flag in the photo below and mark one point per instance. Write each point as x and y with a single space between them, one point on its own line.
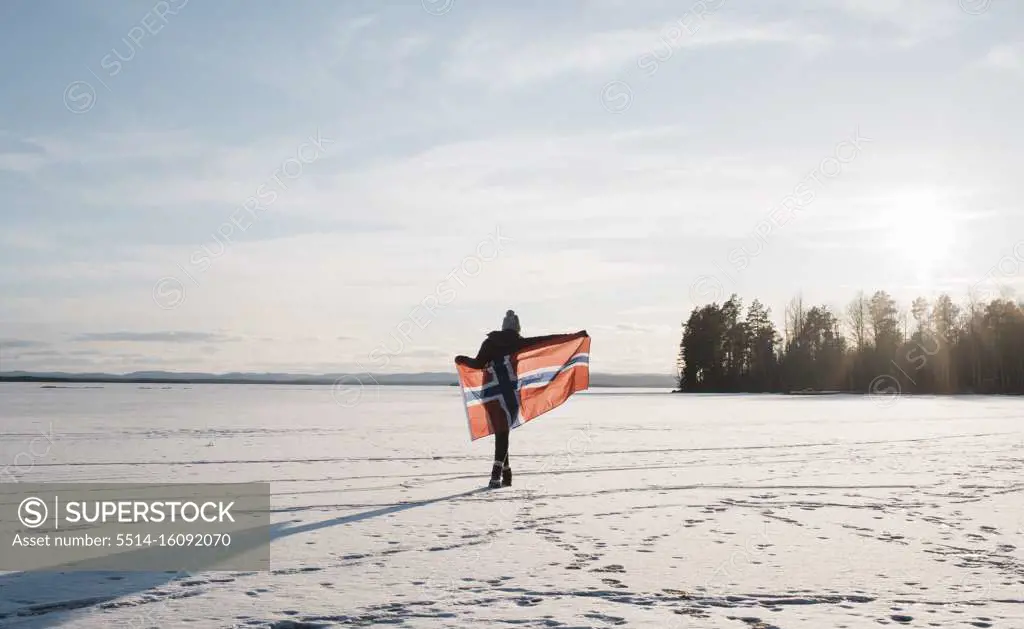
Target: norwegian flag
524 385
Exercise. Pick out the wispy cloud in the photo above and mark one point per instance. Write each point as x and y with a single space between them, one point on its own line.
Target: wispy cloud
420 354
21 343
156 337
26 239
33 153
635 328
21 162
37 353
502 63
1006 57
505 63
909 22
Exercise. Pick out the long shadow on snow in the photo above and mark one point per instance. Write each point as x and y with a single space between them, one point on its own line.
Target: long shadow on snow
86 584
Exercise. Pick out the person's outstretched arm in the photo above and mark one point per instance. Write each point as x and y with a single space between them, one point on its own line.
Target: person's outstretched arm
481 359
530 341
485 355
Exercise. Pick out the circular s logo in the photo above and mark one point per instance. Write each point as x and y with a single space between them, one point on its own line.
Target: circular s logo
616 97
437 7
706 288
168 293
79 97
32 512
885 390
975 7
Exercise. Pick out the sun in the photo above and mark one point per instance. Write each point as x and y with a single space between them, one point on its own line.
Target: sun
922 230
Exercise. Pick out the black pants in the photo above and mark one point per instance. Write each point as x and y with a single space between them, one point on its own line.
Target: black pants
501 447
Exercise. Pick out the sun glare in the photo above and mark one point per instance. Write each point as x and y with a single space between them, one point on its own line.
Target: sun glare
921 230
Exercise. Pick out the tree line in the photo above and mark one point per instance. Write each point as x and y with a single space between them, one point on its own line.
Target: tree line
872 346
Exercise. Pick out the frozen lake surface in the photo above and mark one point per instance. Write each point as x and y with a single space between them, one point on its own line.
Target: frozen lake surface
629 508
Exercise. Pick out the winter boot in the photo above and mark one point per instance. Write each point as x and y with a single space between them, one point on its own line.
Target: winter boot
506 476
495 475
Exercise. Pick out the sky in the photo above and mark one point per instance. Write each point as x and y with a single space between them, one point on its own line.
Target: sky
321 187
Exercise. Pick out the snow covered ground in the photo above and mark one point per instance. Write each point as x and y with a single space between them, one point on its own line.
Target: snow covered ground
631 508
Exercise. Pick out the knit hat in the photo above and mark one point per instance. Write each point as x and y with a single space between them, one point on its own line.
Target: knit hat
511 322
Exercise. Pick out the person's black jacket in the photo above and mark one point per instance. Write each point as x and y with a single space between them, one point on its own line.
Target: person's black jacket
503 343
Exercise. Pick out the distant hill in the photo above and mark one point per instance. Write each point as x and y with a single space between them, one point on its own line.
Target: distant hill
430 378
